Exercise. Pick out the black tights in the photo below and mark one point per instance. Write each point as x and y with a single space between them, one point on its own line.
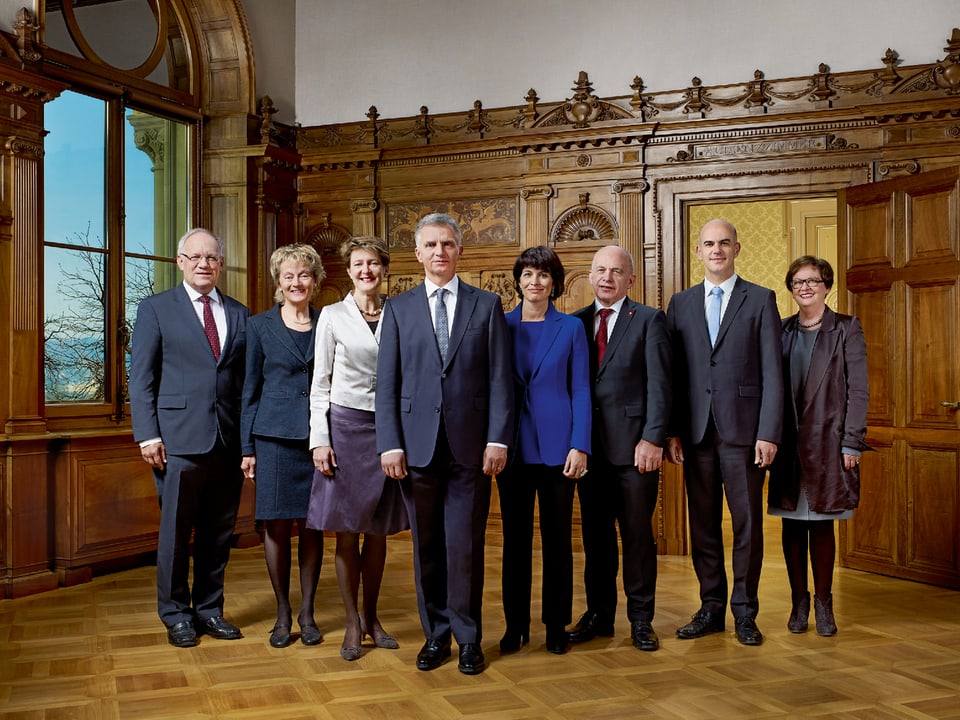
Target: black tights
360 564
818 535
276 545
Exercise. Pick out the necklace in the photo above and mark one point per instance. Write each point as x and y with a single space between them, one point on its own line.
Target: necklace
302 322
811 325
376 312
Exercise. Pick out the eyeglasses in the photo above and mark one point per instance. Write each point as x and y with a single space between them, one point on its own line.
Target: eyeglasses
811 283
195 259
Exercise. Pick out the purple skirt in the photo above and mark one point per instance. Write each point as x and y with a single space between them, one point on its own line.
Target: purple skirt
359 497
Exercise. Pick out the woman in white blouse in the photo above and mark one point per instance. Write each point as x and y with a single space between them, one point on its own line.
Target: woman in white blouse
351 495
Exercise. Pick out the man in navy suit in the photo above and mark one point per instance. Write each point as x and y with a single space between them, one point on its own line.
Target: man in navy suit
186 377
727 421
444 411
631 390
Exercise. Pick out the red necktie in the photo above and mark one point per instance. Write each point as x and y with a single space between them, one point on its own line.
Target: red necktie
602 335
210 327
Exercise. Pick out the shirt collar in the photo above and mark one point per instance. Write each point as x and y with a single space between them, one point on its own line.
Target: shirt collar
597 307
453 286
193 294
726 285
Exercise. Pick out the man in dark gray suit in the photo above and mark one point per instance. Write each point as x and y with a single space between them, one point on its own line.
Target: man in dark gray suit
631 396
186 377
444 411
727 421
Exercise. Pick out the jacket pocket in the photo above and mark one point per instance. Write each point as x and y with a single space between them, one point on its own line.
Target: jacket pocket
752 391
172 402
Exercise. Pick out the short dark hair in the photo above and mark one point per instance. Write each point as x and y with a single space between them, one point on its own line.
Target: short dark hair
541 258
826 271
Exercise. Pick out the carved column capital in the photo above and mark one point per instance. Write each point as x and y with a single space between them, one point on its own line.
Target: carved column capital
621 187
363 206
16 145
538 192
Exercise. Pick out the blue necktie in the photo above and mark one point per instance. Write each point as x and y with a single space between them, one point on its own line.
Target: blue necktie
713 313
441 328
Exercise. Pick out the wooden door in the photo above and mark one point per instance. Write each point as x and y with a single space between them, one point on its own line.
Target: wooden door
900 243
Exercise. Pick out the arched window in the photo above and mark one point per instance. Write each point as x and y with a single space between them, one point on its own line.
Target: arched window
119 186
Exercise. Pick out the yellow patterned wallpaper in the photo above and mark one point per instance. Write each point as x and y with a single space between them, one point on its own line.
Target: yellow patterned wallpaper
766 245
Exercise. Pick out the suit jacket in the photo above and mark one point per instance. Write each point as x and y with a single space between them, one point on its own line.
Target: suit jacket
178 391
472 391
276 389
557 395
831 415
739 379
345 371
632 387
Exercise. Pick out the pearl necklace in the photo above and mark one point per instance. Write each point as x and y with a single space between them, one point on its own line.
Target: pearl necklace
811 325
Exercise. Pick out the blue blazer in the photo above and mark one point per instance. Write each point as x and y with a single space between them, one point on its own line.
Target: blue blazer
557 396
276 390
178 391
472 391
632 396
739 379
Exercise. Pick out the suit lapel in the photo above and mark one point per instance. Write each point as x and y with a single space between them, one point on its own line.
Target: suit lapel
192 321
624 318
466 304
551 329
820 358
279 332
737 297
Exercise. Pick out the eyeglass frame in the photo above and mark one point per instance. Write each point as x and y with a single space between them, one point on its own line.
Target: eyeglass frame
195 259
811 283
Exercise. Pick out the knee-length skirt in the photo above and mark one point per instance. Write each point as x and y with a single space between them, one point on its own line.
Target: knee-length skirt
359 497
284 476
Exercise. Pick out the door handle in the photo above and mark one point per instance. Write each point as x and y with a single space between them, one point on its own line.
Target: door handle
950 405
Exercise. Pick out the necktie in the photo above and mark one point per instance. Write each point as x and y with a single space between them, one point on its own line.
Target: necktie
210 327
602 335
713 313
442 329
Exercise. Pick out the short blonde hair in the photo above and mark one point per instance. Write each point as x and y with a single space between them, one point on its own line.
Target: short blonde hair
370 243
299 253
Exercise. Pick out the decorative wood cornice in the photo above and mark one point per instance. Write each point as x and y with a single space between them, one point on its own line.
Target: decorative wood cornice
585 119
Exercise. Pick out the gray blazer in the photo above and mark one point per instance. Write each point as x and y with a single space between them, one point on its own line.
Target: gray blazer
178 391
276 389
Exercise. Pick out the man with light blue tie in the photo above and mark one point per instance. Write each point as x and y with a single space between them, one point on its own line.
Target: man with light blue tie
444 414
727 421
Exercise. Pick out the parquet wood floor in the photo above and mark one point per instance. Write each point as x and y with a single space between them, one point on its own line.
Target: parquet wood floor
98 651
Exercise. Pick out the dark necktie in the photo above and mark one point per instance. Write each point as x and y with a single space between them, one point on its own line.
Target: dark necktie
602 335
441 328
210 327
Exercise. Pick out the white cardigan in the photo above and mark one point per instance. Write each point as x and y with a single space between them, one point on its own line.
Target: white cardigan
344 366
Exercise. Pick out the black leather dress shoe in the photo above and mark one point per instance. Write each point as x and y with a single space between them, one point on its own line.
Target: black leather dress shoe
217 627
182 635
432 654
644 638
558 640
471 659
589 626
747 631
703 623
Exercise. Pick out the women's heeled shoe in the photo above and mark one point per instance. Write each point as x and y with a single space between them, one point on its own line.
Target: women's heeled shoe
823 609
799 615
280 636
385 641
558 640
350 653
513 640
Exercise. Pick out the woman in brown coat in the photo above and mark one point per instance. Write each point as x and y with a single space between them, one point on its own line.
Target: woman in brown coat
815 478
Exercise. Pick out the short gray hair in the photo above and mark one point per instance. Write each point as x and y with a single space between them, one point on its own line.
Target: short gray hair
438 218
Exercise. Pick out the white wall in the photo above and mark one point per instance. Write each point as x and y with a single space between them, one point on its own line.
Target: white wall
272 30
401 54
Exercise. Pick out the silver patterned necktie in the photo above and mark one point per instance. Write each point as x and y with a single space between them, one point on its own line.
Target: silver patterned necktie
441 328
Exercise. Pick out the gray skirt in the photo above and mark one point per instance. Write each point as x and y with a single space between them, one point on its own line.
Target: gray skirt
358 497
